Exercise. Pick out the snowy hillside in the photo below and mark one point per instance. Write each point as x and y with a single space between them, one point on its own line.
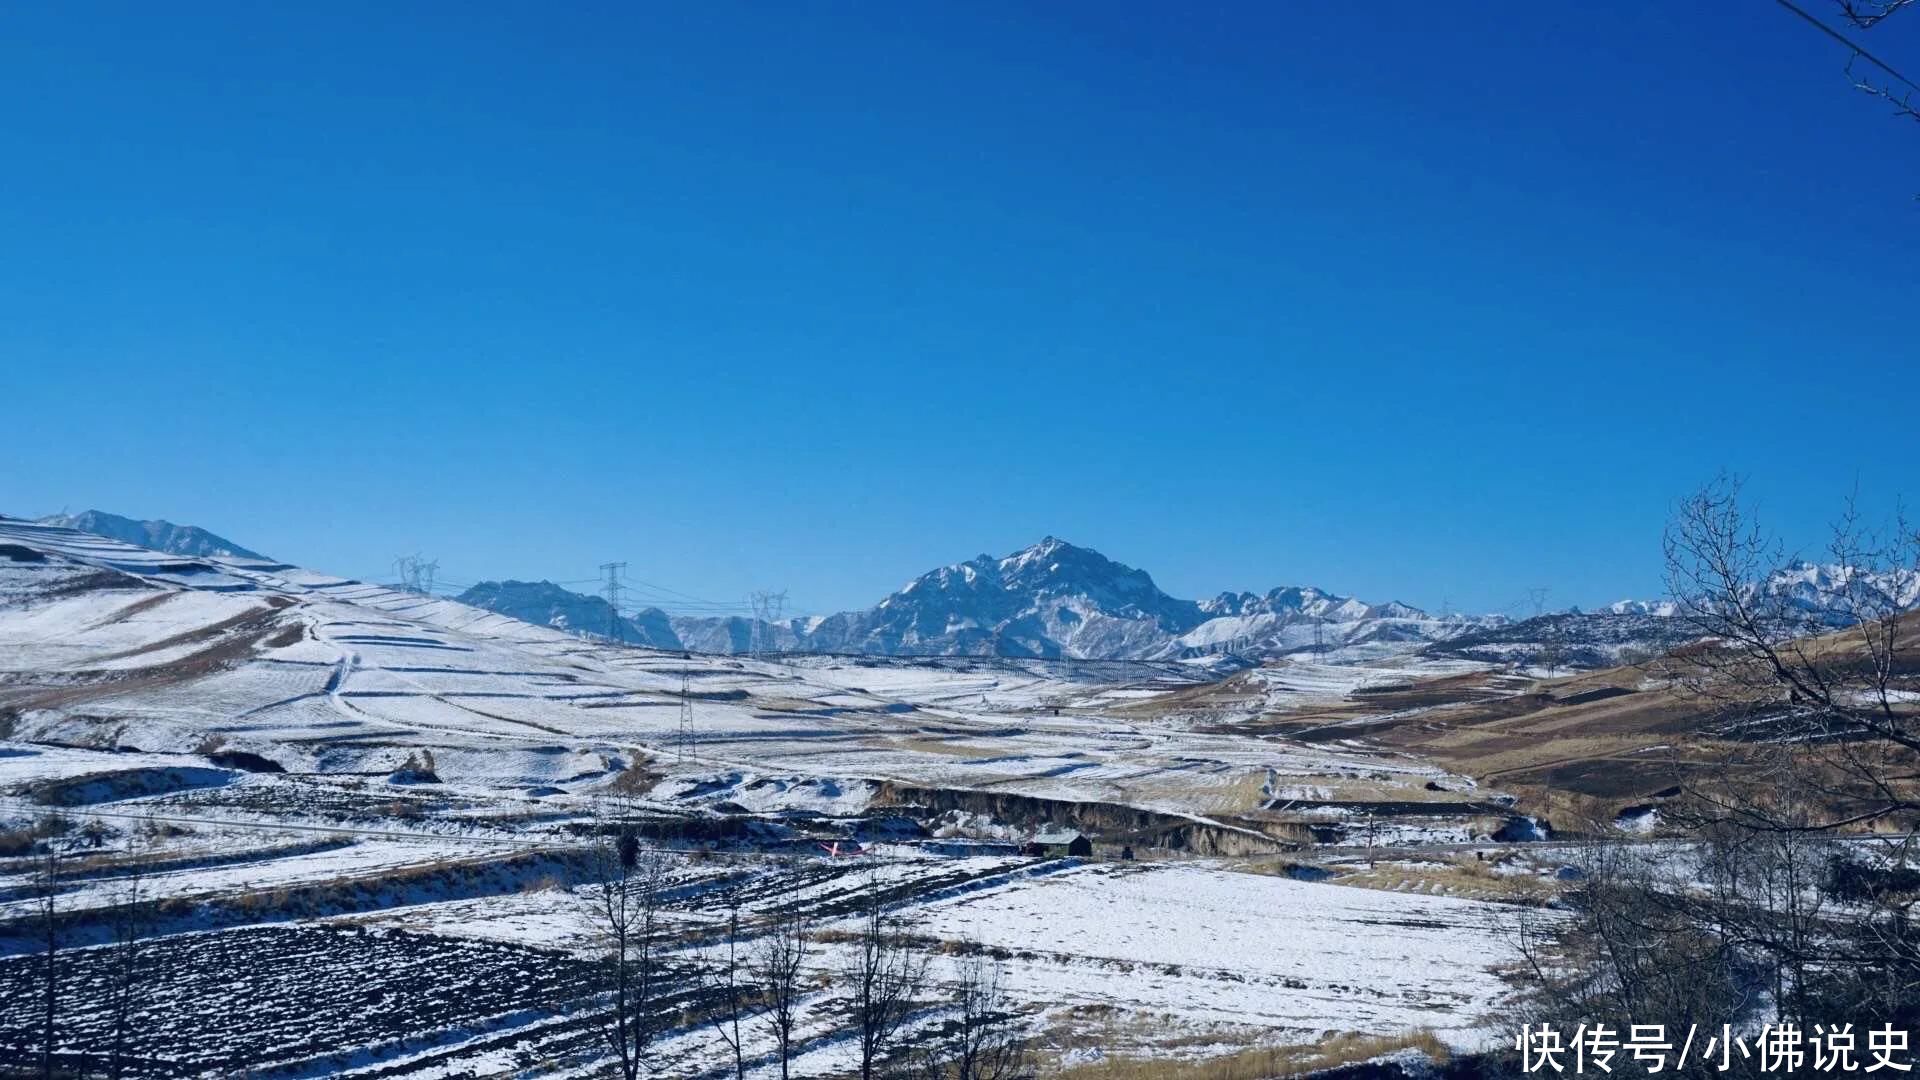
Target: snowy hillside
158 535
341 791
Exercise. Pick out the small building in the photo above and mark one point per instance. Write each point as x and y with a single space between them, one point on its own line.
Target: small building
1057 842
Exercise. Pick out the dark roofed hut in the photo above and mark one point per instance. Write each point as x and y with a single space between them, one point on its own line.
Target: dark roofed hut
1057 842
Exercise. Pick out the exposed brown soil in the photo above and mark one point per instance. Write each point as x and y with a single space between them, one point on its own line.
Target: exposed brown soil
226 642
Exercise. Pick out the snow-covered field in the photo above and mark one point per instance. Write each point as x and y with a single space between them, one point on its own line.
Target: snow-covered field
311 760
1295 958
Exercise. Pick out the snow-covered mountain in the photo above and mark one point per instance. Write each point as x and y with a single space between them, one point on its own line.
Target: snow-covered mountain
1307 602
1054 599
1800 598
1815 593
1825 594
1622 633
1051 599
157 535
546 604
1660 608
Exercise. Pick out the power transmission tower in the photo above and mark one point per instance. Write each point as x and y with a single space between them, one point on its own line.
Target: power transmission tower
767 609
1319 639
1538 597
416 574
1548 656
686 715
611 590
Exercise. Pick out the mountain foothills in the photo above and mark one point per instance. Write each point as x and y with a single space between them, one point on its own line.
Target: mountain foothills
1058 600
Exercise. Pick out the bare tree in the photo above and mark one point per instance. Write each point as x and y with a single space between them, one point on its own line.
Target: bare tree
725 978
1810 671
1642 941
624 906
888 974
46 904
983 1038
1865 15
1867 72
1821 653
1807 673
778 963
130 919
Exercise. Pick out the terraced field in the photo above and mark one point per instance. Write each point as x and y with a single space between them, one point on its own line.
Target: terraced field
362 821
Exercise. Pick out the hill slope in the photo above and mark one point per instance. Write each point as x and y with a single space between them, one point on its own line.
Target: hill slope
158 535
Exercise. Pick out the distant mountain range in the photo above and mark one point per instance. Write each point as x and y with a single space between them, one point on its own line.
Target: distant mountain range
158 535
1055 599
1572 639
546 604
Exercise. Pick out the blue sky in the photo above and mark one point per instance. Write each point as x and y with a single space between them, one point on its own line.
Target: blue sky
1427 302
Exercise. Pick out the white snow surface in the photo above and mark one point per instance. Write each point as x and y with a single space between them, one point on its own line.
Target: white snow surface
132 663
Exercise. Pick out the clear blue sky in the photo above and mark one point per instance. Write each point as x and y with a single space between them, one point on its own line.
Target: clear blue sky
1409 300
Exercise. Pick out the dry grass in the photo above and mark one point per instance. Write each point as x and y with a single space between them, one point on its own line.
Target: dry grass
21 841
948 747
1262 1062
405 809
16 842
637 778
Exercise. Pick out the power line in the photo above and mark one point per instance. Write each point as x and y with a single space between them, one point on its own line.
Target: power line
673 592
1842 39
